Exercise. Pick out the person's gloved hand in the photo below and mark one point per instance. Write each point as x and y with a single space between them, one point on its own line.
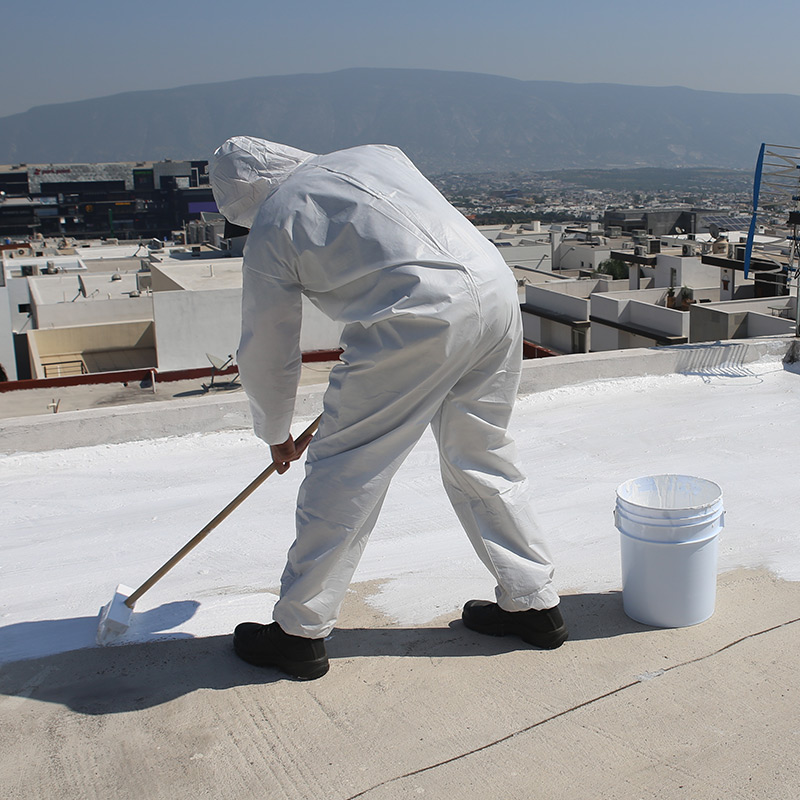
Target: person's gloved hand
283 454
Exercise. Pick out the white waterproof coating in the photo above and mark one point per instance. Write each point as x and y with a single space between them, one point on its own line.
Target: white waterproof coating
432 337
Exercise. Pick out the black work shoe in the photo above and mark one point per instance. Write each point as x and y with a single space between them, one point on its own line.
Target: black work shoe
545 629
270 646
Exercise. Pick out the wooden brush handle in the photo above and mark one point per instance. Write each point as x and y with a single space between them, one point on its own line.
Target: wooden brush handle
195 540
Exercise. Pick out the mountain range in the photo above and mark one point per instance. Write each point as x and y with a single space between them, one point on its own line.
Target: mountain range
445 121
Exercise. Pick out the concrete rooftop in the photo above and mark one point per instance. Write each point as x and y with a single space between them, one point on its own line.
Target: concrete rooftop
202 274
414 704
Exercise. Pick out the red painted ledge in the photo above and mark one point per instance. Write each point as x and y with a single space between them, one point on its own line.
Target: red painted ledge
134 375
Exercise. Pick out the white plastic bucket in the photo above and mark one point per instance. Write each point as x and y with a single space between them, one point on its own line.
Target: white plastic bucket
668 528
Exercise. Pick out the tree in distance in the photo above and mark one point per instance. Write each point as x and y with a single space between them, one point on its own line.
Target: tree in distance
617 269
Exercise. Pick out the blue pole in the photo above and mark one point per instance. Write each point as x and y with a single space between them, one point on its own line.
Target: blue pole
756 188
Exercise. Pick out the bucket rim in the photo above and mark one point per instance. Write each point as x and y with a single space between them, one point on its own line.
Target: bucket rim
711 484
707 537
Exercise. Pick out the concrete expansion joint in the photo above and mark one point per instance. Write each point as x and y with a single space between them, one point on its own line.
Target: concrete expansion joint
612 692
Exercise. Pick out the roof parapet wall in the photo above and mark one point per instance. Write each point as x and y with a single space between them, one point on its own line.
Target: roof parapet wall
202 414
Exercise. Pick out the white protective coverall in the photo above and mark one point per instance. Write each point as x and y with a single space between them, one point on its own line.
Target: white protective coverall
432 336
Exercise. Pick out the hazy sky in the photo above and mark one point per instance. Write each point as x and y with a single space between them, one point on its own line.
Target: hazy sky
58 52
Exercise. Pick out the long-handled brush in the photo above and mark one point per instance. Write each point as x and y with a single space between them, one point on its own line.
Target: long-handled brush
115 617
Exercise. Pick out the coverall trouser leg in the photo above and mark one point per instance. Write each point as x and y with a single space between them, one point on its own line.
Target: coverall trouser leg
488 492
453 370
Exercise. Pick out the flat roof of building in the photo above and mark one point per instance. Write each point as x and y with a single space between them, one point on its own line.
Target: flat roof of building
199 274
87 288
97 250
414 703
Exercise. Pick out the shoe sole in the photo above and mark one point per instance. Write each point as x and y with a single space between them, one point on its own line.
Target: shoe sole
300 670
545 641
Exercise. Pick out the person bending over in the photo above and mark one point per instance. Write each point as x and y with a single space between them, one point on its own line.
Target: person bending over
432 336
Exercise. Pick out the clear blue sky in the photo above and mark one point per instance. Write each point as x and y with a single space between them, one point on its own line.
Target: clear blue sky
54 51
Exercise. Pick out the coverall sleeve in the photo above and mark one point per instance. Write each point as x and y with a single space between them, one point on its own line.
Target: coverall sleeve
269 351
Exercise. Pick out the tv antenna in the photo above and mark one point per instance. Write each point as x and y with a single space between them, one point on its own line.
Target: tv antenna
776 187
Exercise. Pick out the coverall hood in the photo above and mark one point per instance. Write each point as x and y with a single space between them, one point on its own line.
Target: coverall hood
246 170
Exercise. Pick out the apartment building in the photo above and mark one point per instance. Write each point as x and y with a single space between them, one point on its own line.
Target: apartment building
105 306
125 200
678 290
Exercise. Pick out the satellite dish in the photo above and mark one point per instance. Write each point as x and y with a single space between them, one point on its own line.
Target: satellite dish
678 230
219 363
713 229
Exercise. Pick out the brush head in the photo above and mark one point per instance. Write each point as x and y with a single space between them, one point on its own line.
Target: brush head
115 616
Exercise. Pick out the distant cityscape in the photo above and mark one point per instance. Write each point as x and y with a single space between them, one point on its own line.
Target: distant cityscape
130 200
586 195
121 271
